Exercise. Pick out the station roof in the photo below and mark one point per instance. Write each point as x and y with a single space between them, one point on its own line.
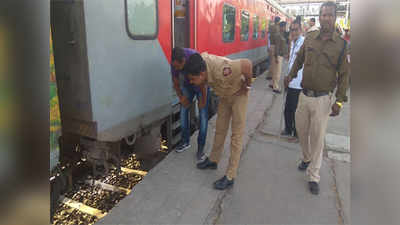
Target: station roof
305 1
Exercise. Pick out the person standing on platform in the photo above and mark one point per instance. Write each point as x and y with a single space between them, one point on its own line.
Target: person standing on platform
231 81
186 92
280 52
326 68
273 34
294 87
312 27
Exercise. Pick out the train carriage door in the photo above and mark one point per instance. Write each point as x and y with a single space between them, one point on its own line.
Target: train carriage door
181 20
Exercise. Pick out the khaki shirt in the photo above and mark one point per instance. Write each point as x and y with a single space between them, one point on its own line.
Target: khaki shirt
223 74
281 45
273 33
320 60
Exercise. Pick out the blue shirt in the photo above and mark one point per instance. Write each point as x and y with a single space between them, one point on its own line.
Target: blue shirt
175 73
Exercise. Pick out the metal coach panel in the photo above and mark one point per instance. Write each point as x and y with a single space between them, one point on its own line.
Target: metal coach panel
70 55
256 55
129 79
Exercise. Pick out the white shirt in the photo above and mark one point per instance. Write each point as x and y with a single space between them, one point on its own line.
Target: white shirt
295 47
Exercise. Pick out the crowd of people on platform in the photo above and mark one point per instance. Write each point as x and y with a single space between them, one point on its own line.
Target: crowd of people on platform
315 85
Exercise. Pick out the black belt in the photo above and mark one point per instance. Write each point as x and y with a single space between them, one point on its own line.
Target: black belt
311 93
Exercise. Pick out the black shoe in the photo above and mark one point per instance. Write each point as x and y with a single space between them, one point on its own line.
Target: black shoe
200 156
314 187
270 86
269 78
182 147
303 165
277 91
207 164
223 183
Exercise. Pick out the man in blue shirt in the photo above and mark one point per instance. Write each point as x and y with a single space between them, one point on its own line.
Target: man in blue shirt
186 92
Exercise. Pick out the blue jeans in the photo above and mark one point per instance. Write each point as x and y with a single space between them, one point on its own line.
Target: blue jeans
203 114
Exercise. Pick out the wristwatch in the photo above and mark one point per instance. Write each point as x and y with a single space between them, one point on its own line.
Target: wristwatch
339 104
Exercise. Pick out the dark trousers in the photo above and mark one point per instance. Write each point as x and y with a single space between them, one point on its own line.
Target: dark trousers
292 98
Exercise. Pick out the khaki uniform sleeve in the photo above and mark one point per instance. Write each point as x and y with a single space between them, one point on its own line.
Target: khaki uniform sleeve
284 47
343 78
298 63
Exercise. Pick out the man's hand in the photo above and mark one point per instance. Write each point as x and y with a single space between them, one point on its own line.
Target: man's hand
287 81
335 110
184 101
243 90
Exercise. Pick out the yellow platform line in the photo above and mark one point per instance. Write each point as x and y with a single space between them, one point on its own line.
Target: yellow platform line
83 208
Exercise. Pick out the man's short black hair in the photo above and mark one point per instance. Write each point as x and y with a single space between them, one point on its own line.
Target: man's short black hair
194 65
282 24
277 19
328 4
298 18
312 19
178 54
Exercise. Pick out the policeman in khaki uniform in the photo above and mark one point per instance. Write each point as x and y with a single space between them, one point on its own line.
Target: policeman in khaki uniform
325 68
230 80
273 34
279 52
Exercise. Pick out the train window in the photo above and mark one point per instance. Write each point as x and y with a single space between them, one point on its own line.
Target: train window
142 19
255 27
263 27
244 29
228 32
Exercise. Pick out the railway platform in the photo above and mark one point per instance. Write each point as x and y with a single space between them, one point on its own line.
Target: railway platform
268 189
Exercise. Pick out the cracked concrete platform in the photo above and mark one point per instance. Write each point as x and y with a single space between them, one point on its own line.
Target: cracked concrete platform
268 190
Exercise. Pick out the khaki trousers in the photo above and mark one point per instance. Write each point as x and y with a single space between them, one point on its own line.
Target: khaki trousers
311 117
276 73
272 64
234 107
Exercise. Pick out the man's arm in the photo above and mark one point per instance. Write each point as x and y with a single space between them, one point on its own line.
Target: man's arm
178 90
277 46
203 99
343 80
182 99
298 63
247 71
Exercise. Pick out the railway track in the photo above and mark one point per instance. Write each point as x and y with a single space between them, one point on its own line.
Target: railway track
91 198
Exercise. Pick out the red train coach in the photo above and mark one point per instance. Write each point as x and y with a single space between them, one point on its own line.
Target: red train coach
231 28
